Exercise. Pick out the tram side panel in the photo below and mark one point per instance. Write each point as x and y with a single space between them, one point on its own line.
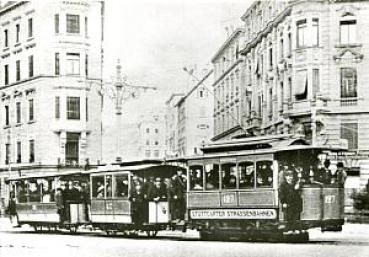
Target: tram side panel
111 211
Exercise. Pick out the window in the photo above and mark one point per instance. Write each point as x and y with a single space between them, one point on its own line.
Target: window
281 48
121 186
316 84
98 188
349 131
6 74
228 173
196 177
86 65
57 64
57 107
156 153
18 71
301 85
30 66
6 115
348 82
30 110
86 26
30 27
212 176
7 153
19 152
72 149
156 131
156 142
348 32
289 44
6 38
32 151
147 130
270 102
246 172
147 142
56 23
315 33
73 108
270 58
19 110
72 23
301 33
17 29
264 174
86 109
147 153
73 63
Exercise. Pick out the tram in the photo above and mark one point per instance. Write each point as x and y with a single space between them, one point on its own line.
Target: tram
112 207
233 188
35 200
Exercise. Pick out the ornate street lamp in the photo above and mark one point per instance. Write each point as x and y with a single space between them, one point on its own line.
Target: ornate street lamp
120 91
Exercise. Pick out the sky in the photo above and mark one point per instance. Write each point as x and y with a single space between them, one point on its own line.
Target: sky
155 39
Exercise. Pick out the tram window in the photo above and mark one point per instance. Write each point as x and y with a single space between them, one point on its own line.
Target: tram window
212 176
34 191
98 190
109 186
121 186
246 173
21 192
229 172
196 174
264 174
47 190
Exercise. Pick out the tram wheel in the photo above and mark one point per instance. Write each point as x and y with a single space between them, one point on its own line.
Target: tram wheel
151 233
73 229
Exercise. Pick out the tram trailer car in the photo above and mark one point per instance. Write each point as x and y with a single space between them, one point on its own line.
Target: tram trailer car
233 189
112 207
35 201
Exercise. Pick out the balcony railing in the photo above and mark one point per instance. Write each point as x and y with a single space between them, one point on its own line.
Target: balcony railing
349 101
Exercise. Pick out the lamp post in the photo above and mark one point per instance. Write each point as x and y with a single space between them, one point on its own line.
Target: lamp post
120 91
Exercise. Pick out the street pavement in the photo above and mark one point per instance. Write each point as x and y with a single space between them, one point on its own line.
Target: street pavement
351 242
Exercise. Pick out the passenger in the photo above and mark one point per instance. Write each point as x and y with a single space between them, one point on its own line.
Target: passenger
157 192
122 188
100 190
59 202
340 175
85 199
148 186
229 181
75 193
212 181
327 175
138 204
46 196
290 198
178 195
12 209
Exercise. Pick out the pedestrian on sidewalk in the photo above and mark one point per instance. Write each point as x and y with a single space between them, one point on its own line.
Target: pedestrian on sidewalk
12 209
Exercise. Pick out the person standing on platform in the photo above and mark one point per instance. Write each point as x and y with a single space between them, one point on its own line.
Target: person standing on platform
178 196
290 198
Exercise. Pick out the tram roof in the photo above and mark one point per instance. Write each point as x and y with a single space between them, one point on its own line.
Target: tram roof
259 145
45 175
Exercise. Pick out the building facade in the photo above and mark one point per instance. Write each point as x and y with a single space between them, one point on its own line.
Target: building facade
305 72
51 66
229 95
195 117
151 131
171 123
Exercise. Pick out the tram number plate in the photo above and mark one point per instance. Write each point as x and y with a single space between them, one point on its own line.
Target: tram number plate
330 199
109 206
34 207
229 199
234 214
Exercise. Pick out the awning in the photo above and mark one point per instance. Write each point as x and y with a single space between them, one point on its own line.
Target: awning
301 82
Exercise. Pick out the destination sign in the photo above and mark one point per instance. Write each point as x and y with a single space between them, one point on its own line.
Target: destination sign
234 214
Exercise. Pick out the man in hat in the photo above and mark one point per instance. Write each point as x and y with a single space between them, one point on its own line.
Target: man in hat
178 195
290 198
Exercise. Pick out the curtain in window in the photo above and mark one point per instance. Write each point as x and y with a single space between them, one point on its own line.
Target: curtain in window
301 83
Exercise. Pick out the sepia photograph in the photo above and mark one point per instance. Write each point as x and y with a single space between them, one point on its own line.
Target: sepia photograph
186 128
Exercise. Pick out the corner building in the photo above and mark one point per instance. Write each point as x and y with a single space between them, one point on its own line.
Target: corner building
305 73
50 81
